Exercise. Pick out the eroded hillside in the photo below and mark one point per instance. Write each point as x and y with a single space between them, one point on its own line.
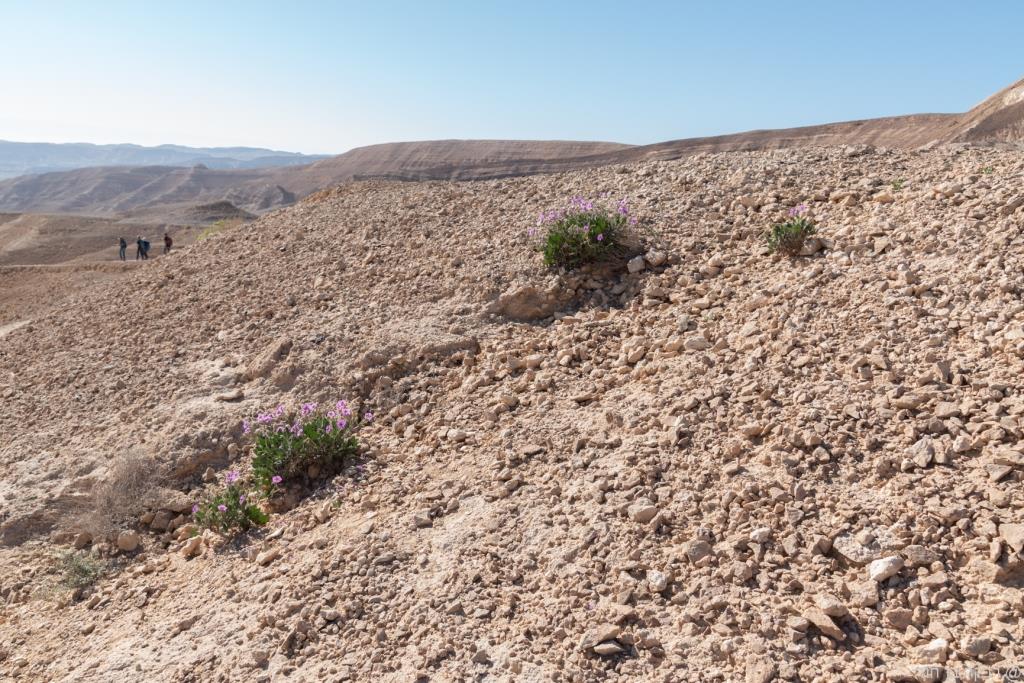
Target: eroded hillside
165 193
727 466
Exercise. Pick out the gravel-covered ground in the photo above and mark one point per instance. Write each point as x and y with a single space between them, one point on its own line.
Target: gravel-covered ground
728 466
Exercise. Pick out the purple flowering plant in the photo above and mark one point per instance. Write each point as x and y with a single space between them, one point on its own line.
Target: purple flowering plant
585 231
233 508
788 237
286 443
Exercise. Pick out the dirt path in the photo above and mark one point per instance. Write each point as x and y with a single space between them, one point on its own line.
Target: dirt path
32 291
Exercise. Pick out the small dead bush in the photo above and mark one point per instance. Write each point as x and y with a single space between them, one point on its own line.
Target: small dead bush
119 499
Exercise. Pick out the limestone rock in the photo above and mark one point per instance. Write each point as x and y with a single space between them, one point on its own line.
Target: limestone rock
268 358
128 541
192 546
884 568
636 264
824 623
1013 534
642 511
528 302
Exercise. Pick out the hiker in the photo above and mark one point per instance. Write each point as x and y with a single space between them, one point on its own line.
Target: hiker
141 247
123 244
167 242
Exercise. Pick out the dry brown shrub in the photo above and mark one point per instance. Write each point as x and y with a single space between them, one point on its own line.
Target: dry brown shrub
118 500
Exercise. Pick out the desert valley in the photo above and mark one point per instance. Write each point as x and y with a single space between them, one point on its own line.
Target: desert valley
697 460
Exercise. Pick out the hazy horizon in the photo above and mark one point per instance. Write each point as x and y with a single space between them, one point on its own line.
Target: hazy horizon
324 78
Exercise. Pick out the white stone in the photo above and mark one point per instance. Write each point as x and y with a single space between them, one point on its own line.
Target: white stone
934 652
635 264
658 581
610 647
884 568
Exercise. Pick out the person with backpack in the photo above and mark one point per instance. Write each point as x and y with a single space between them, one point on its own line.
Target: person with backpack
168 242
141 249
123 246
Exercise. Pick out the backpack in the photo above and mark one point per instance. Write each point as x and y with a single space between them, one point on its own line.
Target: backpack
145 245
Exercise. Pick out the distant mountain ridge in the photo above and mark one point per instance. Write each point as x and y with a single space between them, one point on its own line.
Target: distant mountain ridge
158 192
131 191
24 158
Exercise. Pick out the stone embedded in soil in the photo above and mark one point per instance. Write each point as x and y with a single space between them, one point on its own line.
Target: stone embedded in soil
1013 534
831 605
643 511
823 622
635 264
128 541
192 546
610 647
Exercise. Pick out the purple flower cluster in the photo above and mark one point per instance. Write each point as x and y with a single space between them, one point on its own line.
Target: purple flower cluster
286 442
552 216
263 419
340 408
585 230
798 210
581 204
337 418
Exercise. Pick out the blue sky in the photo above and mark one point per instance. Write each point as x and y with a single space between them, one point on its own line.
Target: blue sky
329 76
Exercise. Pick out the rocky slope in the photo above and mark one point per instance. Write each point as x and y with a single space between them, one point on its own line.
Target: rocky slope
723 466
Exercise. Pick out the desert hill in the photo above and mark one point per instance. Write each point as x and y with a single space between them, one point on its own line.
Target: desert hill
154 189
114 192
716 464
442 160
158 191
24 158
1000 118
